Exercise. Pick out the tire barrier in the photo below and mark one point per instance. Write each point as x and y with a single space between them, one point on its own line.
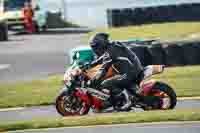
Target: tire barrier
157 54
156 14
174 55
115 15
191 53
171 54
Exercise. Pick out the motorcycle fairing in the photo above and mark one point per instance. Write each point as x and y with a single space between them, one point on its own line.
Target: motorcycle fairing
91 73
90 100
147 87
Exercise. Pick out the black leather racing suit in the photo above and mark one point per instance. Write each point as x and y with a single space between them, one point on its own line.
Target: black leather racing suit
124 62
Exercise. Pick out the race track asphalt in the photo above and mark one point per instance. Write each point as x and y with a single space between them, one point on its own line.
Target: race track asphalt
44 112
28 57
174 127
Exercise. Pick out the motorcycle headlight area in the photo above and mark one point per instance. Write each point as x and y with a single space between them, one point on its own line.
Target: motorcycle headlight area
67 77
70 74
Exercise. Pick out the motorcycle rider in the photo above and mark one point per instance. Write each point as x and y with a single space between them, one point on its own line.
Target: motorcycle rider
123 61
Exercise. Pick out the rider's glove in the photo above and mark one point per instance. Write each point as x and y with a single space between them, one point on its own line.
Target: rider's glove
95 82
87 66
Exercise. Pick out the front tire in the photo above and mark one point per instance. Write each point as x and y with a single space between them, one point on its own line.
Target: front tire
70 105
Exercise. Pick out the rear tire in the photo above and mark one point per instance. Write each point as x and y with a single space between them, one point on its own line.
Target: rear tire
3 32
164 91
44 28
163 87
36 26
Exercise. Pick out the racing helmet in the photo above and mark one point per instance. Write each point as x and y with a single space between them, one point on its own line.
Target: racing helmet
99 43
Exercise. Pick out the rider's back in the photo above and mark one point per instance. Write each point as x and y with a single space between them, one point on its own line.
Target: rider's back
124 60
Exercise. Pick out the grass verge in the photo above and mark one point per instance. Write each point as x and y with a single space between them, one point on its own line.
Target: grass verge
185 81
105 119
37 92
164 31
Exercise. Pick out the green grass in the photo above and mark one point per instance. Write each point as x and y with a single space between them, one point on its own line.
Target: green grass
165 31
185 81
37 92
105 119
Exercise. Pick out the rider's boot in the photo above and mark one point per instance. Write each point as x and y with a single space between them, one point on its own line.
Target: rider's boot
127 99
135 90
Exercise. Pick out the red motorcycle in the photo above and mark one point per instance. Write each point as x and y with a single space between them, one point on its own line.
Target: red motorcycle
77 97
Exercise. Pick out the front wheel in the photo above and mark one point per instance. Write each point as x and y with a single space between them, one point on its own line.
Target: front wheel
165 95
70 105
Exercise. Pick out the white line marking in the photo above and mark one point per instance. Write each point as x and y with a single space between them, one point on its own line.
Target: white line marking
4 66
136 125
11 109
188 98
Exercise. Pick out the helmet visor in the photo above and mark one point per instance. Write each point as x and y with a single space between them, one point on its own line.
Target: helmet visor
97 48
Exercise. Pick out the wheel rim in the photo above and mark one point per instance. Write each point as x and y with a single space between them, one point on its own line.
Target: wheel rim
165 99
71 105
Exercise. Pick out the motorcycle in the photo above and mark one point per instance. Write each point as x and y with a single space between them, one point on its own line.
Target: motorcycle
77 97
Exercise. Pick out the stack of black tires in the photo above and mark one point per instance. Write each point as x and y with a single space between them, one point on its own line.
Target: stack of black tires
170 54
3 31
188 12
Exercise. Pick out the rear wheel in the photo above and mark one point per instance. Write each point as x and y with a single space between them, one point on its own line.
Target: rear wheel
3 32
37 28
164 95
70 105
